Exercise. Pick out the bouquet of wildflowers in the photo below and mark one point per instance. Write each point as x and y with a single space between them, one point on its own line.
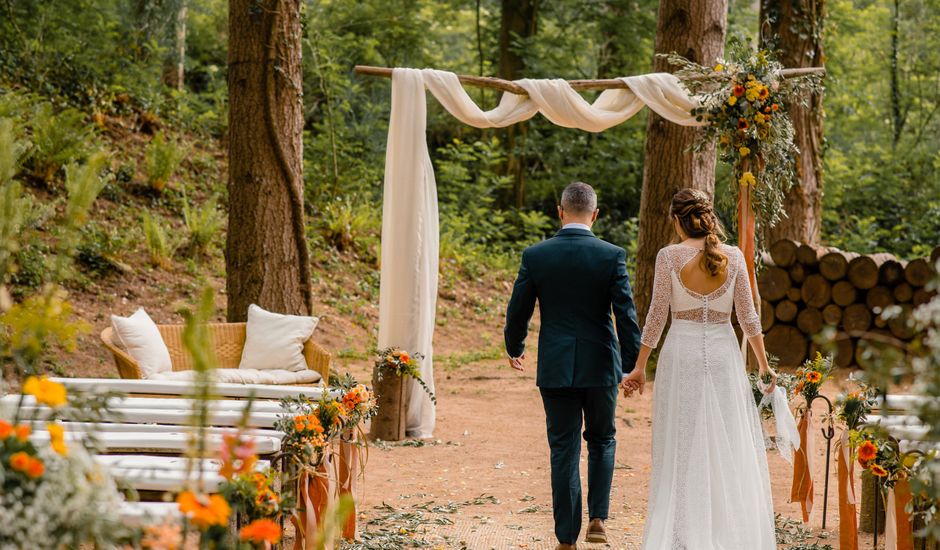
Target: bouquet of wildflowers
811 375
401 363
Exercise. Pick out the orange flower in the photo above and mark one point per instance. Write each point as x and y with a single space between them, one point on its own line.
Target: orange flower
799 387
5 429
35 468
738 90
742 124
20 461
867 451
46 391
202 512
22 432
775 107
878 470
864 463
764 93
813 377
404 357
261 530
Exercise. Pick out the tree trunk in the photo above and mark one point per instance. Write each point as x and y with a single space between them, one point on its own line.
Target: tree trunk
175 66
518 22
266 256
694 29
794 30
897 118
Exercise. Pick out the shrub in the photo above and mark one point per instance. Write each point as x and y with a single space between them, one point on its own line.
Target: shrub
159 245
203 225
161 160
350 227
57 139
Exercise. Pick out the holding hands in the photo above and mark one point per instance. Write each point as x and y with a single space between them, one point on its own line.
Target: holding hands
635 381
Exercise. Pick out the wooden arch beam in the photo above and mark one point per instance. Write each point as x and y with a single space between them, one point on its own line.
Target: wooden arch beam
580 85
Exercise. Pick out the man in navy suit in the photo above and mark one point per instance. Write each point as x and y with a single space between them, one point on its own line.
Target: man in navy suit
578 281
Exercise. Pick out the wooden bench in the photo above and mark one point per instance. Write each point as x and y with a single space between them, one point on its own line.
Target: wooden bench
228 341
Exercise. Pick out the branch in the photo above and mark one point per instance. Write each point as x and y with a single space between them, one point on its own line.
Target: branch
596 84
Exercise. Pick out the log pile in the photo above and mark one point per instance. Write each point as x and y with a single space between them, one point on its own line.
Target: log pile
805 289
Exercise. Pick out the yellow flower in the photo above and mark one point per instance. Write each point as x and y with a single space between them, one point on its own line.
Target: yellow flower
57 438
732 100
747 178
753 94
719 67
744 151
759 118
878 470
46 391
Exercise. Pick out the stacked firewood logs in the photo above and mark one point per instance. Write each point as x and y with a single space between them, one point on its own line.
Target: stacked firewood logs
805 289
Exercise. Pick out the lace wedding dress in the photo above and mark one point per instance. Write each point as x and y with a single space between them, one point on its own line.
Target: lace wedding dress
710 488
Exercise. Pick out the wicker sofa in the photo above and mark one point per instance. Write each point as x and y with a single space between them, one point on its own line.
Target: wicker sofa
228 340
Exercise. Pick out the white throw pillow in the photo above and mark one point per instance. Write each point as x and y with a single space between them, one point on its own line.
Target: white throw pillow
139 337
275 341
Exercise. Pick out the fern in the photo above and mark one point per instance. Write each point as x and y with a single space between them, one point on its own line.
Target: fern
12 204
57 139
159 245
161 160
203 224
83 183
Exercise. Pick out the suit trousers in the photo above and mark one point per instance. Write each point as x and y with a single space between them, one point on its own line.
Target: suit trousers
564 410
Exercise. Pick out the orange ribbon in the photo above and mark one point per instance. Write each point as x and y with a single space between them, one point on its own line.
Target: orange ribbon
316 491
747 228
802 489
898 532
848 513
348 475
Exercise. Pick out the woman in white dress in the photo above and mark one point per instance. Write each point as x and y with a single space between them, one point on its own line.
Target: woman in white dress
710 488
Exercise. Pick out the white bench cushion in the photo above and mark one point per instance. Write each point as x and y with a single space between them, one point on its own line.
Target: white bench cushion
139 337
149 513
183 388
247 376
275 341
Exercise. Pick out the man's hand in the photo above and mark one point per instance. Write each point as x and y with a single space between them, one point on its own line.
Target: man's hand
635 381
517 363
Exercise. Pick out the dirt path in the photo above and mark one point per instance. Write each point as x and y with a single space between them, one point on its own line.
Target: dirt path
484 481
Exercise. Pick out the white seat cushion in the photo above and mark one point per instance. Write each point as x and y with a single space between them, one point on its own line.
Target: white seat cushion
139 337
275 341
248 376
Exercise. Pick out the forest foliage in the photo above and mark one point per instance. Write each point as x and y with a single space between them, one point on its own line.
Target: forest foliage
65 65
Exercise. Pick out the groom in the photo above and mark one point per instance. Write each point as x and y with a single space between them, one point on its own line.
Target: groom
578 280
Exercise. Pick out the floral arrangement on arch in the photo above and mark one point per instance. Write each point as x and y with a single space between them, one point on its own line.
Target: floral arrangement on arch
743 100
401 363
812 374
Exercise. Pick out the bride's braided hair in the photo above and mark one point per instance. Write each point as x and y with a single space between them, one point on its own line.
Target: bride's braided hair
693 208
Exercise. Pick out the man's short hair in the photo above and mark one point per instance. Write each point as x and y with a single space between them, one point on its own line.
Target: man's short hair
579 199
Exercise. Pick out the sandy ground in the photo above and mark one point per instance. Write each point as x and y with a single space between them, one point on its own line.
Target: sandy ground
483 482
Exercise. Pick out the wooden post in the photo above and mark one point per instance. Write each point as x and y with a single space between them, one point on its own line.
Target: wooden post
391 393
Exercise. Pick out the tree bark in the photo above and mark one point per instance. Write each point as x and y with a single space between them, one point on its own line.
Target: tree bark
794 30
696 30
266 256
174 69
518 22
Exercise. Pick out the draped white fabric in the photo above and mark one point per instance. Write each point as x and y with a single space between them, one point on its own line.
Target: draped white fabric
410 226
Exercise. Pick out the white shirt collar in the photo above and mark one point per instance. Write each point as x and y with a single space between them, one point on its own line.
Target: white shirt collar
576 226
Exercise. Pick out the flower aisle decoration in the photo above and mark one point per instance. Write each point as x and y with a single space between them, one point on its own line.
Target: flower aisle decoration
310 431
809 378
392 367
812 375
852 410
401 364
743 103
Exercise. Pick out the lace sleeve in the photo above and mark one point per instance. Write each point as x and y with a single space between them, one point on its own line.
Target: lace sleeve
659 303
743 300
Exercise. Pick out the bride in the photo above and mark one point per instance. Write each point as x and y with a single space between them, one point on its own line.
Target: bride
710 488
